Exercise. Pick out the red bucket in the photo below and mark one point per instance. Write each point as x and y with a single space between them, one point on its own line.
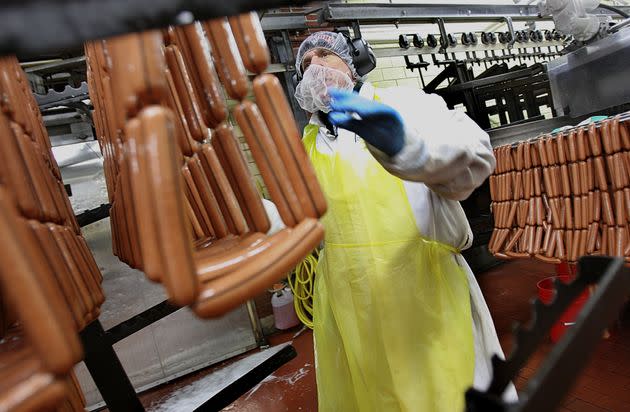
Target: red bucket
546 293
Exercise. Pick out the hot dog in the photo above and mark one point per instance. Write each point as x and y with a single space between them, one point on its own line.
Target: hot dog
240 178
273 171
226 57
210 93
174 239
208 198
277 114
186 93
251 42
221 187
141 196
137 70
197 204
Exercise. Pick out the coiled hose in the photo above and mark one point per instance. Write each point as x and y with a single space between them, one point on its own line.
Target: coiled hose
301 283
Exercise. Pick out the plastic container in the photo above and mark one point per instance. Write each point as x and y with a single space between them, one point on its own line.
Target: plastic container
564 269
546 293
283 310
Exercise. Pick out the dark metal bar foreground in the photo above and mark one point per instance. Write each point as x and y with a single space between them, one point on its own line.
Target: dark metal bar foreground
32 27
93 215
243 384
107 371
548 387
570 355
139 321
114 384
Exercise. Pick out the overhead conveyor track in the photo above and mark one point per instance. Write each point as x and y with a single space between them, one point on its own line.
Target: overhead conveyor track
65 24
427 13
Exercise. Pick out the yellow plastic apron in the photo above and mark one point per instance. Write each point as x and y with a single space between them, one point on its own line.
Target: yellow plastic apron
392 318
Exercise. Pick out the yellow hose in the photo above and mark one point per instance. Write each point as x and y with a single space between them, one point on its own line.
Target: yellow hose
301 283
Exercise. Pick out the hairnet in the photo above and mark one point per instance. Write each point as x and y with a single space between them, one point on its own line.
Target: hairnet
335 42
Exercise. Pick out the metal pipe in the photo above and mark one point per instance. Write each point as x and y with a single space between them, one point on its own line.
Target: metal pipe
614 10
619 26
261 340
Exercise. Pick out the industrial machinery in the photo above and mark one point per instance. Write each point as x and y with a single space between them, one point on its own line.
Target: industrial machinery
598 54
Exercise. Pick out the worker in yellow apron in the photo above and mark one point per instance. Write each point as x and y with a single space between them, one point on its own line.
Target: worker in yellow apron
399 321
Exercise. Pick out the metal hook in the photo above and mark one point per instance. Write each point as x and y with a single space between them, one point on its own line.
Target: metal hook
443 35
512 39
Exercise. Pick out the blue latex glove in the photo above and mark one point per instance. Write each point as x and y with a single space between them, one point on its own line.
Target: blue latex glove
378 124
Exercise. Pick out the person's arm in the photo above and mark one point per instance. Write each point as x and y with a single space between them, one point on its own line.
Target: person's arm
442 148
445 149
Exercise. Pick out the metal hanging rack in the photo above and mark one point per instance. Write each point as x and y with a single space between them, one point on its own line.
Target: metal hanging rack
555 377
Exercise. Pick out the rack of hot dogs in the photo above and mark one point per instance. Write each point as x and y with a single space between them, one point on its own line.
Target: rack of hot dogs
50 285
185 208
562 196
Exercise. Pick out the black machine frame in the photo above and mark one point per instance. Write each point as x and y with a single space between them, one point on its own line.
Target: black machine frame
569 356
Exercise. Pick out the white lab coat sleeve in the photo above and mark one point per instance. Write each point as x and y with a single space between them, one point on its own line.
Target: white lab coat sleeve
485 337
274 217
444 149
